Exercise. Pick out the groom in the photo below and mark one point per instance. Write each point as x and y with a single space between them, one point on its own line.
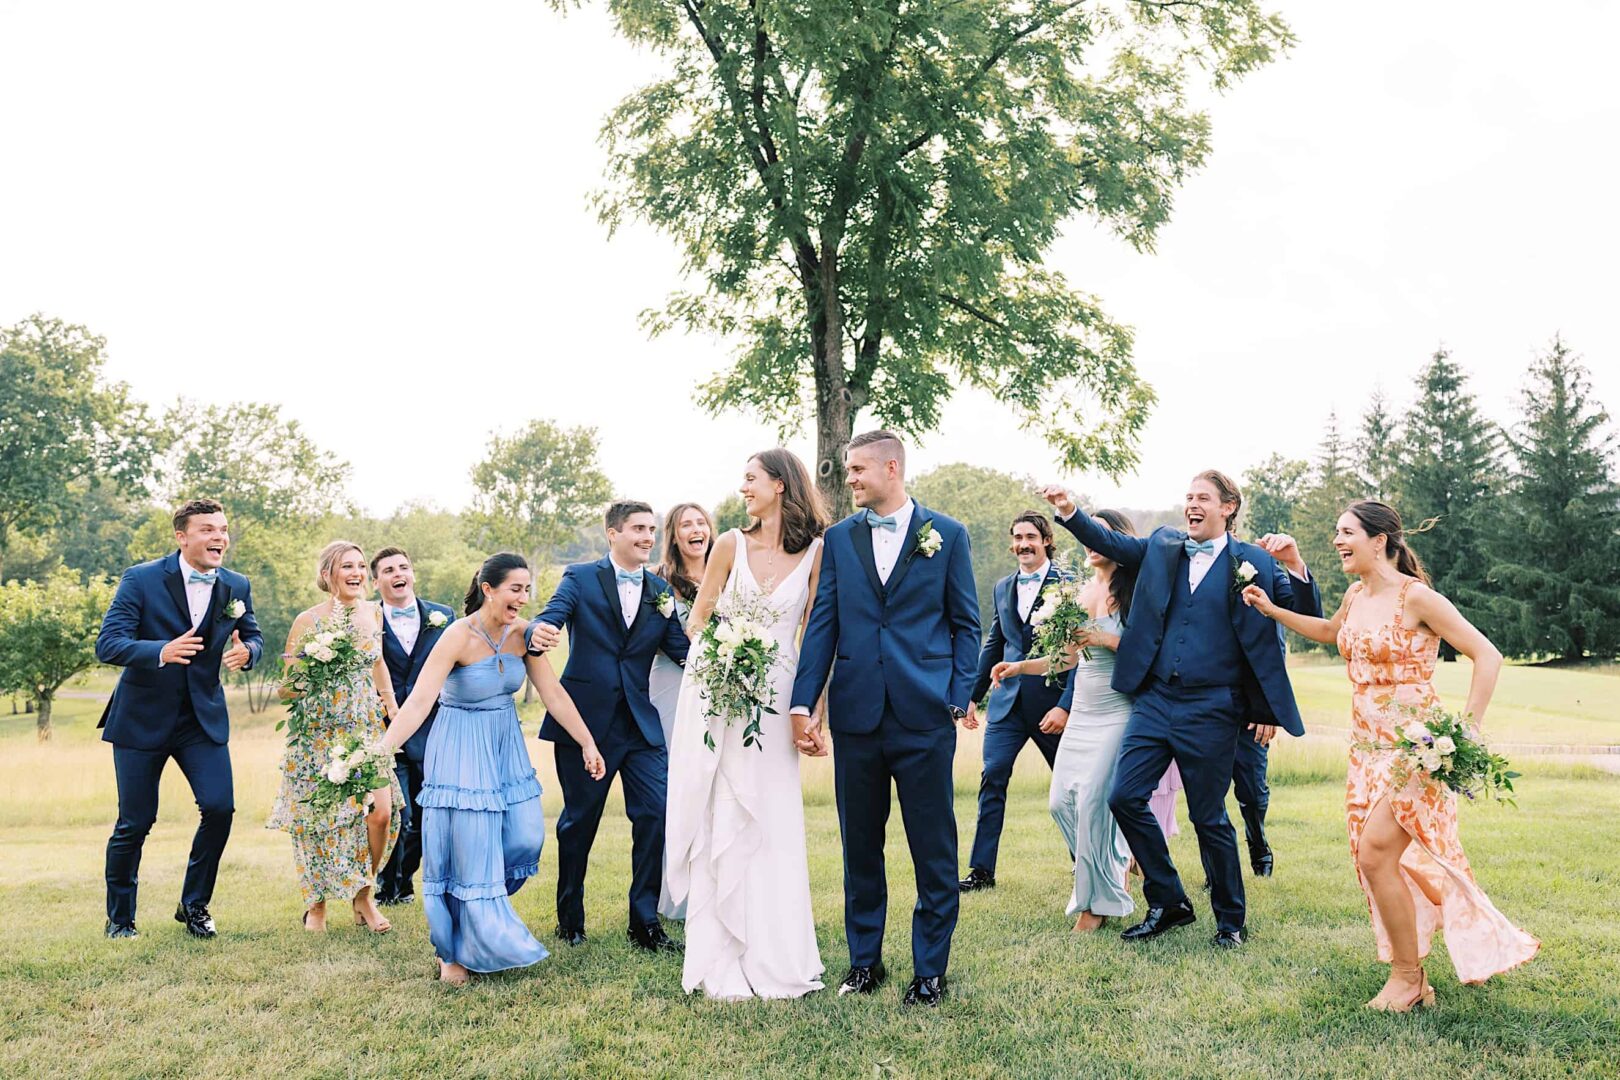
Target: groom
1201 667
173 623
614 610
897 609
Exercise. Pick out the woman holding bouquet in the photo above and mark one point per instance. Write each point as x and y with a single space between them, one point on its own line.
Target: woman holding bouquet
482 824
1083 770
341 695
1403 823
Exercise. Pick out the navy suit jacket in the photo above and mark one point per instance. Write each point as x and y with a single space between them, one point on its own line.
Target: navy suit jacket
913 642
1156 559
148 611
607 661
404 667
1010 639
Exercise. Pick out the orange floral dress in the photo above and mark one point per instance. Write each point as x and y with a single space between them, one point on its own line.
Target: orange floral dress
1389 667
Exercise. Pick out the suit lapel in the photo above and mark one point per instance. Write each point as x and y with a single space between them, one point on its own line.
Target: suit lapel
908 546
860 534
216 605
177 586
610 589
420 652
641 605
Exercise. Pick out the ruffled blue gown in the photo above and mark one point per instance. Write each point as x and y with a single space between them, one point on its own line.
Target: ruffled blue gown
482 824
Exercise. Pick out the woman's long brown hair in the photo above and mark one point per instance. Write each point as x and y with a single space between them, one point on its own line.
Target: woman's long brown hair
803 516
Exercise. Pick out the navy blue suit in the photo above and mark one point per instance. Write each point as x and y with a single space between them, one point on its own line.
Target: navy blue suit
1012 717
906 652
403 668
606 676
162 711
1201 664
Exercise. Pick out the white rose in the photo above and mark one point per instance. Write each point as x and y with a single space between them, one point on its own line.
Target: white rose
338 772
436 619
1443 745
310 647
1415 732
358 757
725 649
326 637
1040 615
1246 571
235 609
1430 760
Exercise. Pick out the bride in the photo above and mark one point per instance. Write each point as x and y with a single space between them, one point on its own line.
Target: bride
735 824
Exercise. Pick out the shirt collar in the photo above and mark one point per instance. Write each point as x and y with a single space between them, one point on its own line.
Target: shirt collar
186 570
902 517
1042 570
1220 545
415 603
625 569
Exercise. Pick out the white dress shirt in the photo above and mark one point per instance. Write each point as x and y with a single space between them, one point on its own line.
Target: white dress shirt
1198 565
1027 592
198 593
407 628
629 592
886 545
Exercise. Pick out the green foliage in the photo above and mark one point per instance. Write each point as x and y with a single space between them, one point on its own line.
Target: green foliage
534 490
1334 485
1272 493
265 469
61 424
1556 552
730 513
48 635
1377 451
443 560
867 195
985 501
1449 472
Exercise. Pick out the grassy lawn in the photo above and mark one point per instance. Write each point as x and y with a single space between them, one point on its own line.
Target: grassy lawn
1029 998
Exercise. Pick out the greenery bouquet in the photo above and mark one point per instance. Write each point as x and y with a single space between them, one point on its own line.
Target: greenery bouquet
353 769
1058 618
733 663
327 658
1448 747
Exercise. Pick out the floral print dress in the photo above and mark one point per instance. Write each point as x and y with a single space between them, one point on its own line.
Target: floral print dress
330 847
1391 666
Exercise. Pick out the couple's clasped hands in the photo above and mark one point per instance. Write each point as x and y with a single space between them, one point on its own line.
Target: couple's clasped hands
808 736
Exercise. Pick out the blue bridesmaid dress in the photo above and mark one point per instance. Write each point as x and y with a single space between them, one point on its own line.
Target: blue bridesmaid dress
482 823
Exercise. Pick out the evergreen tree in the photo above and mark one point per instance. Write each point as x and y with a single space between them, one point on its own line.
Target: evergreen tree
1557 554
1377 451
1448 470
1334 486
1272 492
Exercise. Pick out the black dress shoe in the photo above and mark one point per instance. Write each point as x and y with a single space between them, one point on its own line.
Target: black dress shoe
117 930
1261 863
1229 939
653 939
928 992
863 980
977 879
570 935
1160 919
197 921
395 899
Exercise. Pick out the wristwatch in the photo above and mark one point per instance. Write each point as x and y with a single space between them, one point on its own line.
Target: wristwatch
958 714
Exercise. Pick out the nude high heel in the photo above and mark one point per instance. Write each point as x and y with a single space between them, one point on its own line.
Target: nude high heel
1424 995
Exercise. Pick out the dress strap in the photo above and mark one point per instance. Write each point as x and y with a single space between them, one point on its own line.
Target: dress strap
495 646
1400 603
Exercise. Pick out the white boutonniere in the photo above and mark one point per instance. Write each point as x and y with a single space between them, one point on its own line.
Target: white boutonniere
666 603
928 541
437 620
1243 576
235 609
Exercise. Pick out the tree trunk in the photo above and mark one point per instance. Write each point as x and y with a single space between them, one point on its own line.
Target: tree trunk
835 407
42 721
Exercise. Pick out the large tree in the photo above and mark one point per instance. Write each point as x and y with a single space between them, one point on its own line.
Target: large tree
1272 493
1333 486
1558 553
533 490
48 635
61 425
866 194
1449 473
1377 450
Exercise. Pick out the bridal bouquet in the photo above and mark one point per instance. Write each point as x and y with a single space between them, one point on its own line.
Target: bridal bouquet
1449 748
327 658
353 769
733 663
1058 619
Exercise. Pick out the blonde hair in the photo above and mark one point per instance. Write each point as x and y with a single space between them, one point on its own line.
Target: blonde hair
331 554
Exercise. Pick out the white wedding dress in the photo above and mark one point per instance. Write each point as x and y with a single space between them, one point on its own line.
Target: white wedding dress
734 829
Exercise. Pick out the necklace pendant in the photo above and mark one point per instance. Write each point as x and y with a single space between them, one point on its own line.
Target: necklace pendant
500 664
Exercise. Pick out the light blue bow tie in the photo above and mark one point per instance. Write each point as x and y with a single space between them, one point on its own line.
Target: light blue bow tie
881 521
1025 579
402 612
628 577
1195 547
194 578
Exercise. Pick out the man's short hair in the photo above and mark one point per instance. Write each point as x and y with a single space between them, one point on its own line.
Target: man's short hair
192 508
619 512
387 553
886 444
1227 490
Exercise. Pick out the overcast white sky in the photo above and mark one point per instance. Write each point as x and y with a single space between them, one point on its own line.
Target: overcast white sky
375 215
